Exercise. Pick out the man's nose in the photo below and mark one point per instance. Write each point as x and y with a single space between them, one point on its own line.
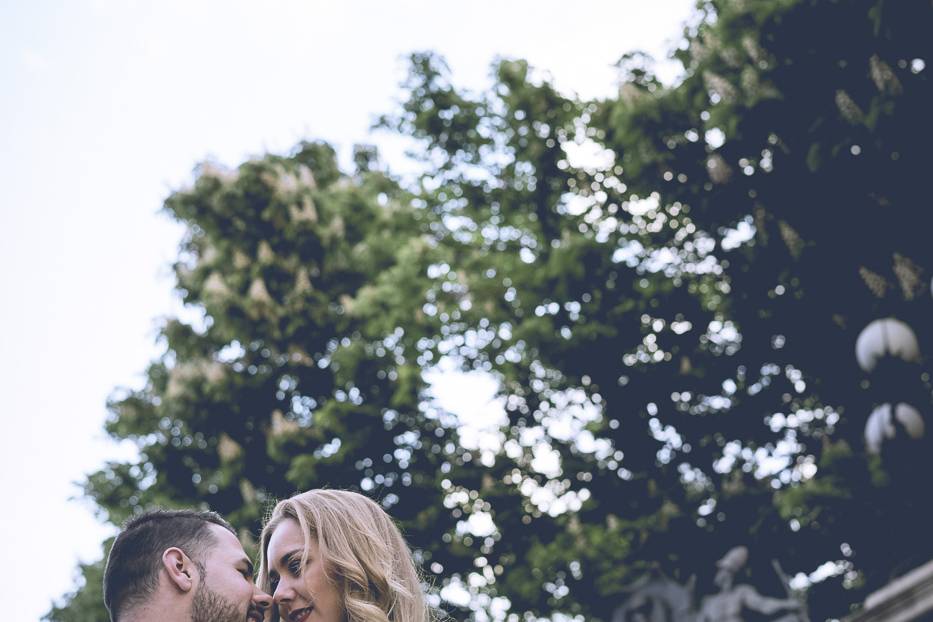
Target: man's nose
261 599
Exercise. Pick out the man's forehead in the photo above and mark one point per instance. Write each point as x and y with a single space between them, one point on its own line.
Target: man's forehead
225 542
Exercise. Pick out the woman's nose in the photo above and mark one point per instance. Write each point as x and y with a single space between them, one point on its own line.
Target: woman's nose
282 593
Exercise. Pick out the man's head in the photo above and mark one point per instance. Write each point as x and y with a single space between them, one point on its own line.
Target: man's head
181 561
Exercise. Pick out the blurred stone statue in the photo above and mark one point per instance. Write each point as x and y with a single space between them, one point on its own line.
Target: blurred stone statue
731 600
660 599
657 599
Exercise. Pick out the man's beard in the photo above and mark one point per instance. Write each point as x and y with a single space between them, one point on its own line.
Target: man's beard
209 606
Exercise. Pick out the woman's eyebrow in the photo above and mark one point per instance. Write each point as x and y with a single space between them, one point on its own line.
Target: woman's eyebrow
283 561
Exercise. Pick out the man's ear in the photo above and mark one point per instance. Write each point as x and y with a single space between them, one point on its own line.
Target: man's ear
179 568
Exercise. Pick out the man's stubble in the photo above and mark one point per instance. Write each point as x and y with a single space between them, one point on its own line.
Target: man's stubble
209 606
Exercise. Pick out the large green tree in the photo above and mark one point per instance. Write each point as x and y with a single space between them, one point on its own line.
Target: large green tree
294 366
675 316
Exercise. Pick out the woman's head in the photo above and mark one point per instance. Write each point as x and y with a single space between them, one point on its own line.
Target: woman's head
334 555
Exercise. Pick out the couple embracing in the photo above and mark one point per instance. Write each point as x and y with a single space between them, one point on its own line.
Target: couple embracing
325 556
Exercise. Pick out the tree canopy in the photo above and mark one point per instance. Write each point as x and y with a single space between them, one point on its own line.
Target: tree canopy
667 285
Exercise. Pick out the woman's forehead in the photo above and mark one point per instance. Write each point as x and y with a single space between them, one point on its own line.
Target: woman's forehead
286 536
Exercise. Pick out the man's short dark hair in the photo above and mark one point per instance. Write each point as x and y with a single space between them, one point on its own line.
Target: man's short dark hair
132 572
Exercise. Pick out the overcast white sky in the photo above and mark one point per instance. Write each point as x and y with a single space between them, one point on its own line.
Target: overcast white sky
106 105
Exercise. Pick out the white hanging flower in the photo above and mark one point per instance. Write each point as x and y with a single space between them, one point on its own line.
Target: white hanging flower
749 81
281 425
305 212
286 183
337 227
225 175
883 76
630 93
305 176
848 108
241 260
264 253
177 378
791 238
720 86
751 48
209 254
248 491
302 281
874 282
214 286
300 356
213 371
195 371
908 275
184 272
227 448
719 171
258 291
884 338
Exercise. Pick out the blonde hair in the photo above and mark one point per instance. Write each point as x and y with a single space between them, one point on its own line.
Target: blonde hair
362 551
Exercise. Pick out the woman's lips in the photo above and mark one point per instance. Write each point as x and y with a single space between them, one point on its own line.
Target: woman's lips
299 615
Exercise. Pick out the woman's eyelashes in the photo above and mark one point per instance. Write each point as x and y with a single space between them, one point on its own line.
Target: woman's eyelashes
294 565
